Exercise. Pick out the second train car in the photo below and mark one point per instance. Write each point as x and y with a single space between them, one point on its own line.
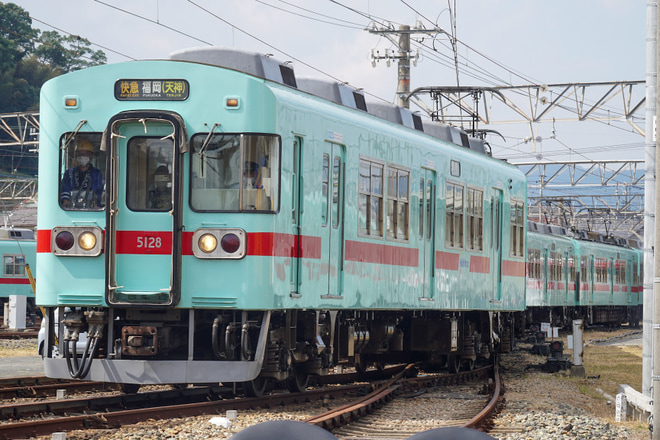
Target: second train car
582 275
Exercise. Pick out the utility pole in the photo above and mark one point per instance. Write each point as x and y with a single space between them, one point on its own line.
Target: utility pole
403 56
656 279
649 195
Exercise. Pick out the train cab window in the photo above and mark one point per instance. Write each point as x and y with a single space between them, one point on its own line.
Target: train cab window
474 211
13 265
82 168
517 229
370 199
397 203
454 215
235 172
149 174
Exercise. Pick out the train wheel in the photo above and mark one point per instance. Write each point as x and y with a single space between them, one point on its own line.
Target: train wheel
453 363
298 381
255 388
469 364
130 388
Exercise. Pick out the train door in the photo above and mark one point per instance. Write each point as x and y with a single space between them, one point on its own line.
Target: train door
496 244
565 277
628 279
296 216
546 273
427 230
333 232
611 278
592 277
143 217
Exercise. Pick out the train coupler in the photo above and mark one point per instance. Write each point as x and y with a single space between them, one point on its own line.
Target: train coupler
139 340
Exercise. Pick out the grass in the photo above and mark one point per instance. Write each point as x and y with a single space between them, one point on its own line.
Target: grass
15 347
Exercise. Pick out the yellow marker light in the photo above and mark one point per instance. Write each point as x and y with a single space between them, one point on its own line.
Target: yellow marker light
71 102
87 241
232 102
207 243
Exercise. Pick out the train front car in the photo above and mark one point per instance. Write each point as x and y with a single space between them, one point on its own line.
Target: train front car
221 224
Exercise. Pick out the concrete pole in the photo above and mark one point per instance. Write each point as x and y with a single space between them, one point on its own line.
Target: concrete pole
577 369
403 86
655 394
649 194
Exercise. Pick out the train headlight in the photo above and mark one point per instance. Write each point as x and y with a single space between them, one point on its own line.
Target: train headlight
207 243
232 243
77 241
87 241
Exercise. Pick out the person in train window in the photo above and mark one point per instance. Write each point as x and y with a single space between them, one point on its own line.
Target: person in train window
160 196
82 185
252 175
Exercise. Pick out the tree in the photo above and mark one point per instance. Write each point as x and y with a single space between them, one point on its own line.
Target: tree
16 35
29 57
69 53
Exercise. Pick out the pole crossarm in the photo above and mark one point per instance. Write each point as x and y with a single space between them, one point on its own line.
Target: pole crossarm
18 189
21 128
601 172
604 196
608 102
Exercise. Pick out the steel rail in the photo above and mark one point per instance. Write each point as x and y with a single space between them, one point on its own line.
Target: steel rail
338 416
481 419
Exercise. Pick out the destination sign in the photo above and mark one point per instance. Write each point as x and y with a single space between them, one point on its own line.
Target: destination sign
152 90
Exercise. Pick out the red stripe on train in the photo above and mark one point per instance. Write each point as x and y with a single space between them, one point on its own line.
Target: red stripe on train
513 268
14 281
446 260
381 254
479 264
43 240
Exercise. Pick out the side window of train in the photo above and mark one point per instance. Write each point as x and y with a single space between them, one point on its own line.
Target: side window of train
398 196
620 271
474 211
235 172
601 270
454 215
370 198
13 265
534 263
149 174
82 168
517 228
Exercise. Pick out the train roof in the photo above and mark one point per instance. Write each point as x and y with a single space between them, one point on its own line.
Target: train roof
9 233
269 68
591 236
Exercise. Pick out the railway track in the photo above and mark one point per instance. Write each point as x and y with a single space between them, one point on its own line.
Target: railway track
401 407
108 409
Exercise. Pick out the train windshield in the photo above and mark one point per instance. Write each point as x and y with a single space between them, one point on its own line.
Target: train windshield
82 164
235 172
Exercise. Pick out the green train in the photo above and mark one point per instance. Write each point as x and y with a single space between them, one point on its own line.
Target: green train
587 276
214 218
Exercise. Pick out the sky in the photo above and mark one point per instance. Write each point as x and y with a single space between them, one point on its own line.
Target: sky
504 42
